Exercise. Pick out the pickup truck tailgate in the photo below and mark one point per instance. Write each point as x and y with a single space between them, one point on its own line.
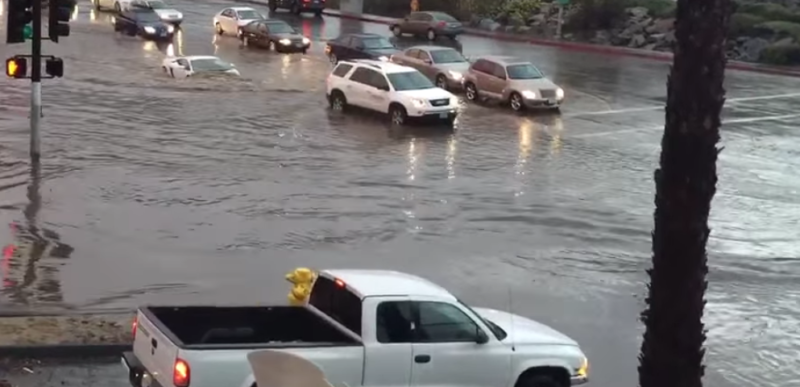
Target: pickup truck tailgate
154 350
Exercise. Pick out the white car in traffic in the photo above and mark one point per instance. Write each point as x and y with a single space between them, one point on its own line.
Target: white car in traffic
231 20
164 11
116 5
187 66
399 91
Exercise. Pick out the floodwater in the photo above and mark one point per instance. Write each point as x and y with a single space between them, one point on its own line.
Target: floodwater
156 190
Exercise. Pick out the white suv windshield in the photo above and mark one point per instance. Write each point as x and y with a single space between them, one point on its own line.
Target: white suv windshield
412 80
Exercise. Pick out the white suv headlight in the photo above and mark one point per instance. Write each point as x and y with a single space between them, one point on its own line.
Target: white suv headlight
418 103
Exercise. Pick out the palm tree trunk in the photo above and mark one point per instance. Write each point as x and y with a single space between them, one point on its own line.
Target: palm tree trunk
673 347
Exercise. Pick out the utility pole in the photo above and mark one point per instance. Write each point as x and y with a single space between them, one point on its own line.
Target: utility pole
36 81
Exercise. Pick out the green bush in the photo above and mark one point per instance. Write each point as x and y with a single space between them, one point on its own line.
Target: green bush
781 54
744 24
659 9
769 11
596 15
780 29
519 10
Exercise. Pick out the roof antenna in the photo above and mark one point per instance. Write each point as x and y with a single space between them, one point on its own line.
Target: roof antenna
511 315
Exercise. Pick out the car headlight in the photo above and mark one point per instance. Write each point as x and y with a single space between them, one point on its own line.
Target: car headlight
453 101
285 41
179 15
583 371
171 29
560 93
529 94
150 30
456 75
306 40
418 103
383 58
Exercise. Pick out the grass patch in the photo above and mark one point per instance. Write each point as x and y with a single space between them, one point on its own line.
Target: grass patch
744 24
768 11
780 29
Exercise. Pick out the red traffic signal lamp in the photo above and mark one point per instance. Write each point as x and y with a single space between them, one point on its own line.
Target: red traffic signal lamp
19 15
17 67
58 17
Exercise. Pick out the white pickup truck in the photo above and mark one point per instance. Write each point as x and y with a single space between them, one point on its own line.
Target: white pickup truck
361 328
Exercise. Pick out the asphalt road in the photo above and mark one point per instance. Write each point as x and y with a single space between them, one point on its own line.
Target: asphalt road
208 191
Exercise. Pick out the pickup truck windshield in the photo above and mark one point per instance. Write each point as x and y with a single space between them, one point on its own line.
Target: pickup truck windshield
338 303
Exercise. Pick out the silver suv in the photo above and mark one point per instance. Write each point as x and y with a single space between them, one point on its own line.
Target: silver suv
513 81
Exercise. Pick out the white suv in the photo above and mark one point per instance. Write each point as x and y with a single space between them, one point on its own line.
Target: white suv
400 91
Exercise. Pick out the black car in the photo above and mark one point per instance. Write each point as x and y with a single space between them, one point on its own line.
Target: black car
143 22
275 35
298 6
360 46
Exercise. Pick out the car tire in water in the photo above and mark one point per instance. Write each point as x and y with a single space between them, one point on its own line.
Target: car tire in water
516 102
398 115
441 81
337 101
396 31
539 381
305 51
470 91
431 35
333 59
218 27
273 46
318 13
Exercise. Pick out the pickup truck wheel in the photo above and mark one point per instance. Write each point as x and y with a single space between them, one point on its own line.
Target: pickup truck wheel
540 381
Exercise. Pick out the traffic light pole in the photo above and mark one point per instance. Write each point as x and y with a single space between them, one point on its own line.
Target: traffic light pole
36 81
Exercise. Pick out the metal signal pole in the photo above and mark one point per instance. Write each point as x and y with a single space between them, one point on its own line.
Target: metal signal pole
36 81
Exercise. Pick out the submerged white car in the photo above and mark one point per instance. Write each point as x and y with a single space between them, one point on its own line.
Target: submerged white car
164 11
187 66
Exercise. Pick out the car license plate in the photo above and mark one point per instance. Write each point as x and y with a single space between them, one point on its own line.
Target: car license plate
442 115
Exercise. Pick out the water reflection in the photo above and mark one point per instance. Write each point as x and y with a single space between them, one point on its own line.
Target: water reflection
554 129
177 41
28 274
527 138
93 15
450 158
75 12
413 159
2 8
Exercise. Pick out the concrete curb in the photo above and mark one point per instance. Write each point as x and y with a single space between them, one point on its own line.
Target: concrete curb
64 351
572 46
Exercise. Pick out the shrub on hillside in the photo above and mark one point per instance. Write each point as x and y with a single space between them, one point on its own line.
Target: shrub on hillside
744 24
659 9
779 29
596 15
769 11
781 54
519 10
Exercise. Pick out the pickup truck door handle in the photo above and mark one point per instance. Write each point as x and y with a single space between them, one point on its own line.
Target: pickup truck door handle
422 359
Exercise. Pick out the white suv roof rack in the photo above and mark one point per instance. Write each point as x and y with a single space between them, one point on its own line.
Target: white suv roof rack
383 66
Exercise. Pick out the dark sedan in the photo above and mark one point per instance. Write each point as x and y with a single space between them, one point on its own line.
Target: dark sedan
360 46
275 35
143 22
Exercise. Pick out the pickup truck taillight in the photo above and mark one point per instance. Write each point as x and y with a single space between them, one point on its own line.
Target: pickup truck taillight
134 325
181 374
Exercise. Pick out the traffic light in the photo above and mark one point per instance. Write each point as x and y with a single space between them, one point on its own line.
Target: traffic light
58 18
16 67
19 15
54 67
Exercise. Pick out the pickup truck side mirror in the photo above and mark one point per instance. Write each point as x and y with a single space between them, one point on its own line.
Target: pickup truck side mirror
427 61
480 336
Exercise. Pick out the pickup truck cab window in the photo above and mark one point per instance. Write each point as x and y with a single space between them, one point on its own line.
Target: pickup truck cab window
394 322
444 323
338 303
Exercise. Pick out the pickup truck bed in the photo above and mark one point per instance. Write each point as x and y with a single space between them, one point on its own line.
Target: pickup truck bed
198 327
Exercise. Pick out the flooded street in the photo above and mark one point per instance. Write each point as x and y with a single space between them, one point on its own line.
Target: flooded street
155 190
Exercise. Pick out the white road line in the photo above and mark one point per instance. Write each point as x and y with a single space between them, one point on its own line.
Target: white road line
725 122
650 108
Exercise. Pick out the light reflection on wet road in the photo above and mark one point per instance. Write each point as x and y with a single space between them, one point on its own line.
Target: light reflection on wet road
200 191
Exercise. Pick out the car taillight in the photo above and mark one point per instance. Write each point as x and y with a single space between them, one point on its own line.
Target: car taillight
442 24
181 373
134 325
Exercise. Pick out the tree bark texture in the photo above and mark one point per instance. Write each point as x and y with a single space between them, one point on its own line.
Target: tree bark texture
673 347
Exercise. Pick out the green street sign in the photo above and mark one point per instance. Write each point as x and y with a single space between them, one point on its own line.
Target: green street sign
562 2
27 32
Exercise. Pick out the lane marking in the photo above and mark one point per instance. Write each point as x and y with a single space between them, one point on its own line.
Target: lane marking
724 122
650 108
